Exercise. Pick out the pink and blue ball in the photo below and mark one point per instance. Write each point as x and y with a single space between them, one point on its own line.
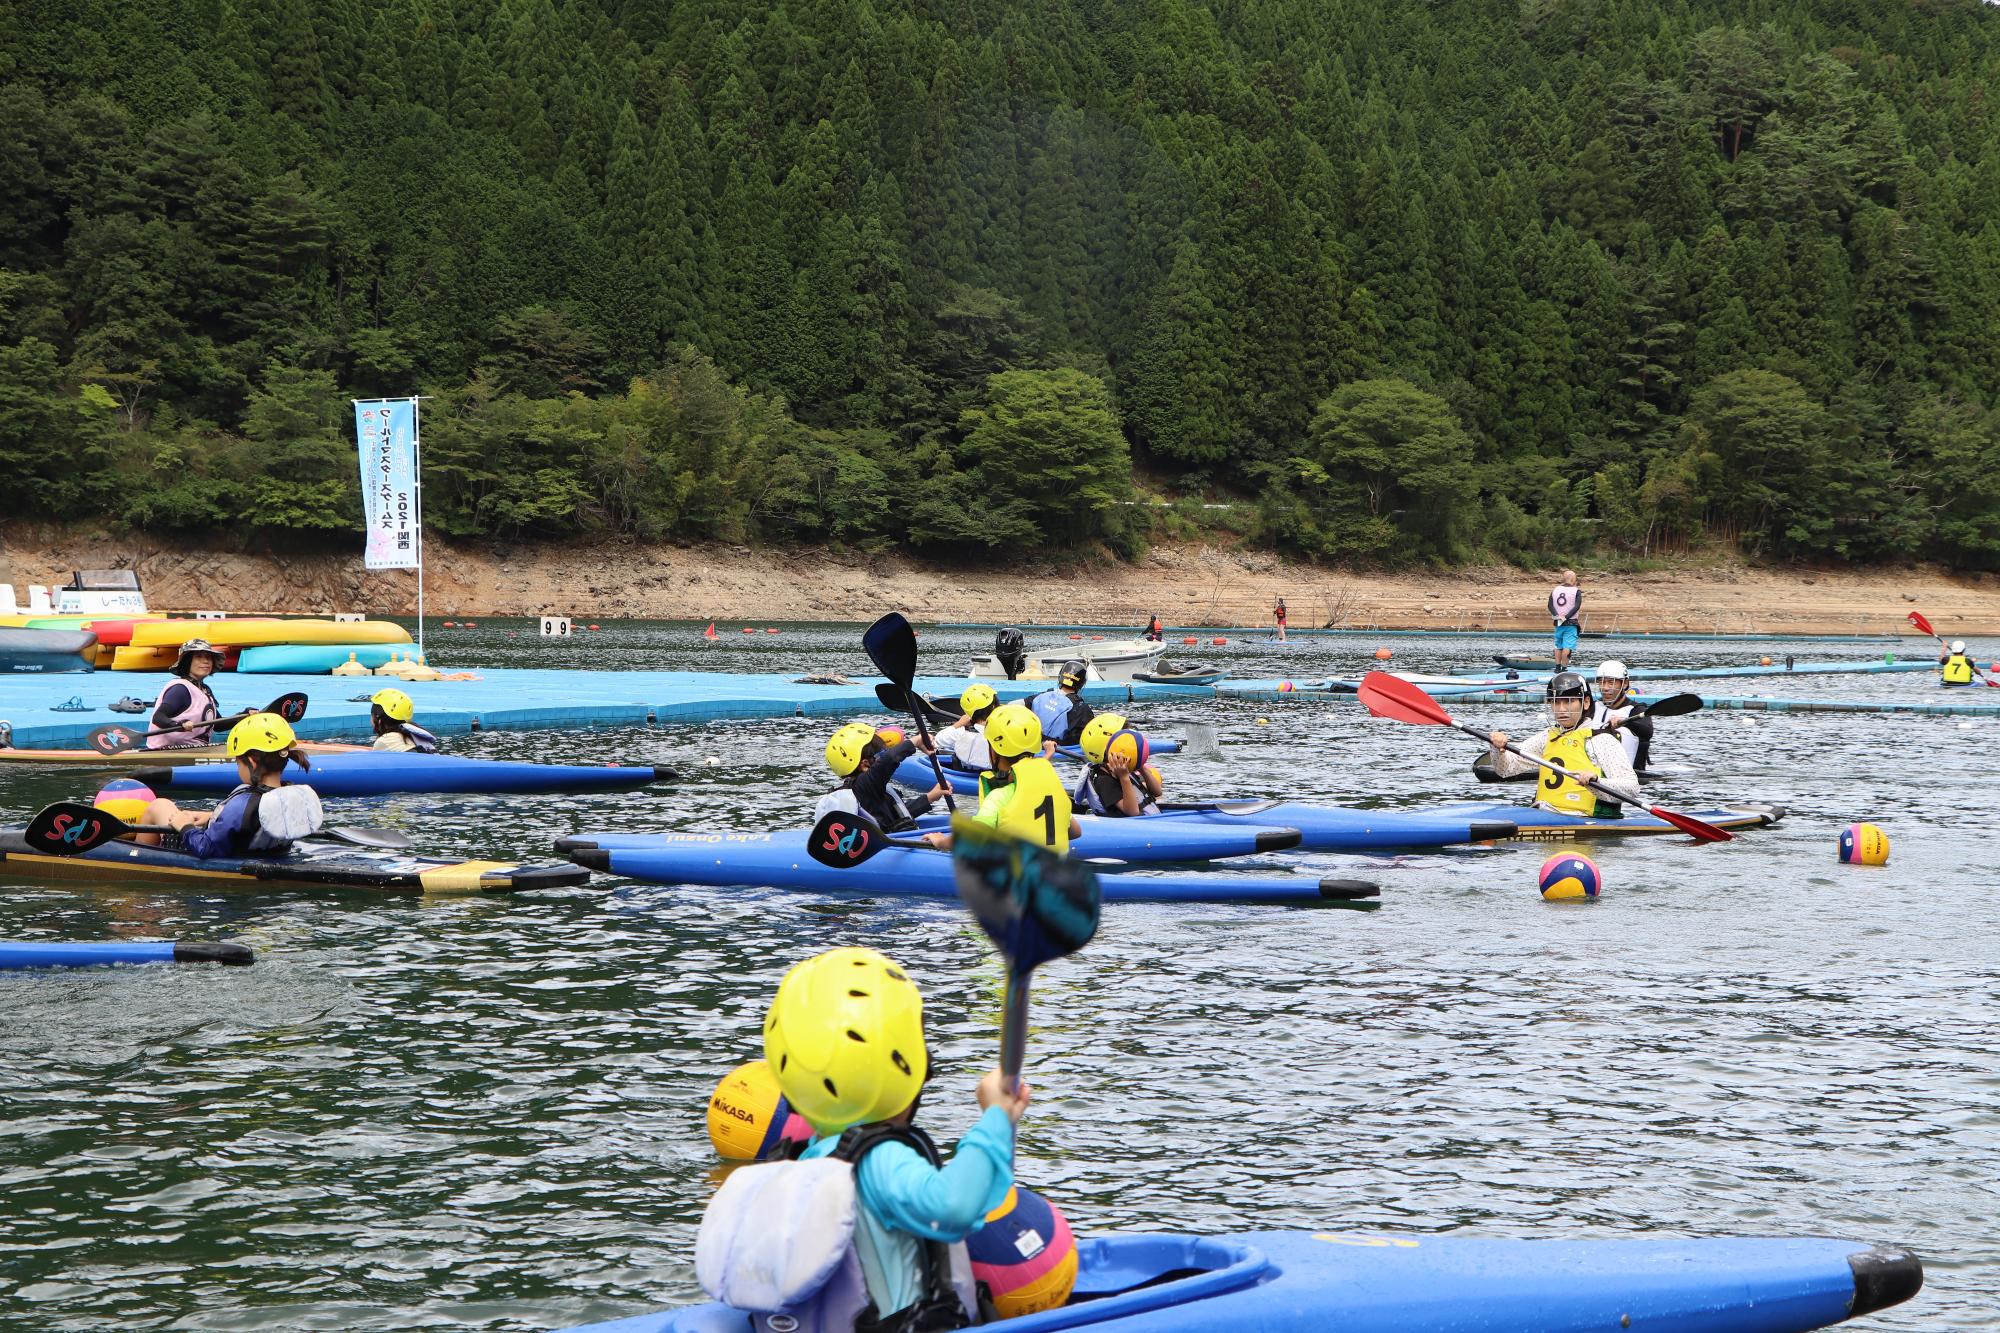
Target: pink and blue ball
1569 875
1864 845
1024 1254
124 798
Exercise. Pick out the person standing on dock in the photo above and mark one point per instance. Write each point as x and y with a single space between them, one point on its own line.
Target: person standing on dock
1280 609
1566 609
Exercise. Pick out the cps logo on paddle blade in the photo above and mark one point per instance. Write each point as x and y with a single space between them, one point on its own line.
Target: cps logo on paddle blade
850 841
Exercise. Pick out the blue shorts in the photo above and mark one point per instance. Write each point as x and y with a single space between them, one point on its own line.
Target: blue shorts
1565 638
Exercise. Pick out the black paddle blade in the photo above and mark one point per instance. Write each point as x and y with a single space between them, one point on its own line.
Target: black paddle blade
892 646
1675 705
290 707
893 697
842 842
68 828
1035 904
114 739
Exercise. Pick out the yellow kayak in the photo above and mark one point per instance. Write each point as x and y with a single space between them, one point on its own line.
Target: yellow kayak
257 631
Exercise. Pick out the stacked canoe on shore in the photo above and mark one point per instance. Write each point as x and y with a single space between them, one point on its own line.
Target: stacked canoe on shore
258 644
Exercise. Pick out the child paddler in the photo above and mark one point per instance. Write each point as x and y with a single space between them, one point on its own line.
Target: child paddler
389 714
1116 781
262 817
1614 709
1575 744
845 1036
964 742
865 760
1062 711
1022 793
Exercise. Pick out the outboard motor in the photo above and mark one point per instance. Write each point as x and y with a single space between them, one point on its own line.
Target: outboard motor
1010 647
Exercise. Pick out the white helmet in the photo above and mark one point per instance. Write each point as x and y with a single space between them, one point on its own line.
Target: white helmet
1958 645
1611 669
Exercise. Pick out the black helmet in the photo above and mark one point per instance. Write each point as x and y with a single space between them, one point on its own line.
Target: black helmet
1074 673
1567 685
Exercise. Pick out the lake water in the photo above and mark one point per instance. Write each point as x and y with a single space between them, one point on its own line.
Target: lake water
488 1113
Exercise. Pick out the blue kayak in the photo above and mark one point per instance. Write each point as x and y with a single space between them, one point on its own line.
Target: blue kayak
1322 828
18 954
1120 839
378 772
1325 1282
779 861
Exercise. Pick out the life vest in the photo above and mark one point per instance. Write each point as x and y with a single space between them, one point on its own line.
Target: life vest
779 1242
1634 733
844 800
1086 794
1032 805
1051 709
277 817
1563 603
201 707
1957 670
423 742
1567 795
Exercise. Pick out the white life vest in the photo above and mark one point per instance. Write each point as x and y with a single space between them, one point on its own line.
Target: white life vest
200 708
778 1243
1563 602
279 817
1603 719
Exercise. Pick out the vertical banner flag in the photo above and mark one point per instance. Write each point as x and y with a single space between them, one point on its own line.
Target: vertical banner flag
386 430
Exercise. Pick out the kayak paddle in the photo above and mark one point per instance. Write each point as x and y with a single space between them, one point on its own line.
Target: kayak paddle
892 646
1385 696
114 739
842 842
1036 906
69 828
1674 705
1917 619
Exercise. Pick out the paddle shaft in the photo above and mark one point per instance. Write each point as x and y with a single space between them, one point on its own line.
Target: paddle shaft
1601 788
1014 1028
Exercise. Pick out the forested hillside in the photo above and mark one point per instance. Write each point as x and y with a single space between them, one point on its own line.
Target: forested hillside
1416 280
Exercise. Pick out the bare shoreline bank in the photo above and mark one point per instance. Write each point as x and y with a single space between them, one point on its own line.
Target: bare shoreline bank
1184 585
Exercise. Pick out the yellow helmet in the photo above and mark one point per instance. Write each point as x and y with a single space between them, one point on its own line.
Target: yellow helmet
265 733
845 1034
977 697
1013 731
395 704
1097 734
844 747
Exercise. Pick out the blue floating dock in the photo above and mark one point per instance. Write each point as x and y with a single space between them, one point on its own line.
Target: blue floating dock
1757 705
500 699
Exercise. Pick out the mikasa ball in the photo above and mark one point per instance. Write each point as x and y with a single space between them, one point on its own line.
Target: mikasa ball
1570 875
1024 1254
1864 845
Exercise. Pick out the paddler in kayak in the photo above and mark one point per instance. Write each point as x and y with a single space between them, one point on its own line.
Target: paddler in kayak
262 817
1954 666
964 742
1575 744
1613 713
865 761
1117 781
1022 793
389 714
187 704
1062 711
845 1035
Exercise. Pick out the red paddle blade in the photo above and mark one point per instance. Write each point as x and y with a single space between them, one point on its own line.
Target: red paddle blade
1917 619
1691 826
1388 696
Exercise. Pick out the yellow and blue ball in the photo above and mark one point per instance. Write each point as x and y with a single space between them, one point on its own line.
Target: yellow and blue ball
1570 875
1131 744
1025 1255
749 1119
1864 845
124 798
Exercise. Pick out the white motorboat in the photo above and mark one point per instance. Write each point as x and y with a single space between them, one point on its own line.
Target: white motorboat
1115 660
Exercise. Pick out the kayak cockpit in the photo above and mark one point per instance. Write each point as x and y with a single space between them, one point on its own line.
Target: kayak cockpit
1118 1277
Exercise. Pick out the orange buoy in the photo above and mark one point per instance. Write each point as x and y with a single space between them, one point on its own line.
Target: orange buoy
770 631
593 627
1383 654
1097 638
1190 640
748 630
1763 661
451 624
1074 638
468 625
1218 642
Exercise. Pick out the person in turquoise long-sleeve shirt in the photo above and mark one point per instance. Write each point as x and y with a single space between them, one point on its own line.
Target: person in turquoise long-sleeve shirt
845 1034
